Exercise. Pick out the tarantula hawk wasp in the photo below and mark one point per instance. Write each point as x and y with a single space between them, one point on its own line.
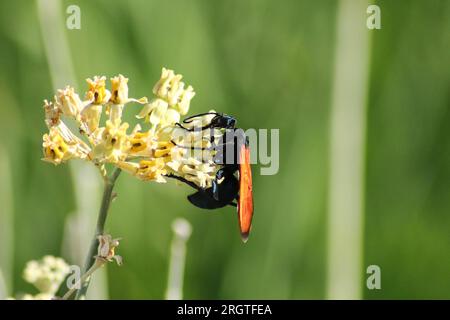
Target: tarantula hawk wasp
226 188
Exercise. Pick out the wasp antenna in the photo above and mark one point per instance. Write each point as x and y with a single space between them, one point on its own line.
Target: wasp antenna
189 119
181 126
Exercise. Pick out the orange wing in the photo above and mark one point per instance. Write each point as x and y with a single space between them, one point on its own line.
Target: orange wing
245 203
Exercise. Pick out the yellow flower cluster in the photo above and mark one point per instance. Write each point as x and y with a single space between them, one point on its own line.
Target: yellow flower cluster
160 149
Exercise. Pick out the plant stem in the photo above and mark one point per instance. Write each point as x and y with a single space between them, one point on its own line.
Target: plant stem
106 201
98 263
348 113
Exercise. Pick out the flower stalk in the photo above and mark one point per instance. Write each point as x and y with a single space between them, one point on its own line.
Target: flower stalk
101 220
84 278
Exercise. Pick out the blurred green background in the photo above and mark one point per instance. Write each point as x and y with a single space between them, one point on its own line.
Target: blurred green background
270 64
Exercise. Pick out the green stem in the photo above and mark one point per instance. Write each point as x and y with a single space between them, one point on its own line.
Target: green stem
98 263
106 201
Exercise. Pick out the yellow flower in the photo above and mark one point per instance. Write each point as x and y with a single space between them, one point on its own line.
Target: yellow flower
200 173
154 111
184 100
157 112
147 170
114 143
69 102
119 88
129 167
163 149
90 117
140 144
166 84
119 97
58 148
97 92
171 89
152 170
171 117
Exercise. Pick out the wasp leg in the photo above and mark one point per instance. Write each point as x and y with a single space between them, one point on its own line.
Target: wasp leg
213 146
189 183
191 147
